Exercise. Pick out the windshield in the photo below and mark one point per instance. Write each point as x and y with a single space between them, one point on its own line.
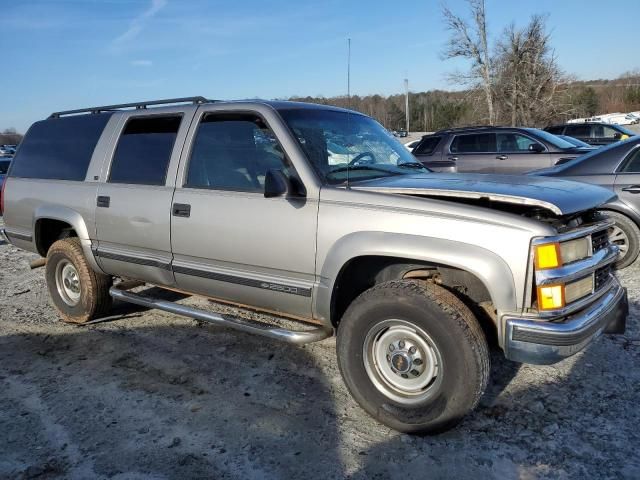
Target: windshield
551 138
575 141
626 131
348 146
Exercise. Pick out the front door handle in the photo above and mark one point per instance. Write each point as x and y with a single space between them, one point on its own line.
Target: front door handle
453 159
103 201
502 157
632 189
181 210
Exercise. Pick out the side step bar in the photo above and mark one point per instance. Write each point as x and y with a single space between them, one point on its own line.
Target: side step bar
297 337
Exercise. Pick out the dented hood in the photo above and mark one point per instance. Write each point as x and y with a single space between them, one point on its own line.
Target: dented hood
562 197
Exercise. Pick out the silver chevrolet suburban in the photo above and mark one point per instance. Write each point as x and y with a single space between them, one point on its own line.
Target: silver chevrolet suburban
245 202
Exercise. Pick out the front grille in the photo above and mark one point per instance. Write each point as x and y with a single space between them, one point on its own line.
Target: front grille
601 277
599 240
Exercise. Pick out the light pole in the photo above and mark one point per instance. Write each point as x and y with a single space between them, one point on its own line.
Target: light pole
406 103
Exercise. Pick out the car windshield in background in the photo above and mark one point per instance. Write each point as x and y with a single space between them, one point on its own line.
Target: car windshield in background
552 139
4 166
346 146
626 131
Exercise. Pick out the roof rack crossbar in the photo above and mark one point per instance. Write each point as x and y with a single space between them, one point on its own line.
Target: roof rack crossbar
135 105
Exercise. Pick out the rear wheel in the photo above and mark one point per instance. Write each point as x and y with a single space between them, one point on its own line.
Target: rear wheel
413 356
78 293
626 235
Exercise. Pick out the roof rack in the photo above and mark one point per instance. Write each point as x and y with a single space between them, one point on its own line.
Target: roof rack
135 105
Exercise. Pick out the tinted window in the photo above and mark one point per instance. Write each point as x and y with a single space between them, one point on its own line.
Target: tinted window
426 146
583 131
144 149
4 166
474 143
555 130
59 148
513 142
632 165
233 152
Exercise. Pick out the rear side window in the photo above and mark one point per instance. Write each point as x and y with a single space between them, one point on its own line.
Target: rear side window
59 148
632 165
474 143
583 131
427 146
555 130
4 166
144 149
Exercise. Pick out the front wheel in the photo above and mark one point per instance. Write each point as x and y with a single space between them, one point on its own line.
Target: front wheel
413 356
625 234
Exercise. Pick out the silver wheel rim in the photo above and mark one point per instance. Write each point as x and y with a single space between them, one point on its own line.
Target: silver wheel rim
68 283
619 238
402 361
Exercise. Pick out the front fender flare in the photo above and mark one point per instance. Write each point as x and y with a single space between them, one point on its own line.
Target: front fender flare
487 266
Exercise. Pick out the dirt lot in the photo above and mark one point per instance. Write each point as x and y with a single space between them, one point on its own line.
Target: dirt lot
150 396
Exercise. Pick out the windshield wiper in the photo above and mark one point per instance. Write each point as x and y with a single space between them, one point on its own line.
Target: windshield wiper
410 165
360 167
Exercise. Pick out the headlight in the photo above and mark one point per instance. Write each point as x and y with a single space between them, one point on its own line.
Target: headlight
551 297
575 250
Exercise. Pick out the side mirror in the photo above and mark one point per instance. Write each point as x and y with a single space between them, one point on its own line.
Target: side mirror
276 183
536 148
617 136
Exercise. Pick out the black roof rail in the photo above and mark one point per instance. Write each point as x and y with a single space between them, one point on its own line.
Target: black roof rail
135 105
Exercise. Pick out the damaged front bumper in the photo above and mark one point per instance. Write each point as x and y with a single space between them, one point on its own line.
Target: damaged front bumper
546 342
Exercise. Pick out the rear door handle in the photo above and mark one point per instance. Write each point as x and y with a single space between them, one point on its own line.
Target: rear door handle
103 201
181 210
502 157
632 189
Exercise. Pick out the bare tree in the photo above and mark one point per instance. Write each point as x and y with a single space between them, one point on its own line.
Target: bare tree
528 76
469 41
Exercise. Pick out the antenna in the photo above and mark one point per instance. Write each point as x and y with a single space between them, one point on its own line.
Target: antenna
349 72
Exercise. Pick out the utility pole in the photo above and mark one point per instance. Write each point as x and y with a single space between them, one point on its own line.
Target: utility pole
406 103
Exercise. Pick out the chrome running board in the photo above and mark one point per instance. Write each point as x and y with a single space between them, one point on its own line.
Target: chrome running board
297 337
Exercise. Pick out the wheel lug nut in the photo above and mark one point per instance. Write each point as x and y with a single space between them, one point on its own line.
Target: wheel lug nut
415 372
388 358
417 361
401 343
404 375
413 350
391 348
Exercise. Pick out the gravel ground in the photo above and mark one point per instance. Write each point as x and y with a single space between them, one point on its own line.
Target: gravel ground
149 395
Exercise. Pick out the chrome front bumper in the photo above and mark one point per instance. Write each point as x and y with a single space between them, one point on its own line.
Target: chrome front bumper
546 342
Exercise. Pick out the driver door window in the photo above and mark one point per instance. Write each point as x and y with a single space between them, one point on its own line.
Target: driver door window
233 152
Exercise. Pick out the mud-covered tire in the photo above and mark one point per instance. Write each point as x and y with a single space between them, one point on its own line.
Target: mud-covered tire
626 235
86 295
430 312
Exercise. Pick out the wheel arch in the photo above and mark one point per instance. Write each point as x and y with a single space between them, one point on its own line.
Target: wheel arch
488 268
63 218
